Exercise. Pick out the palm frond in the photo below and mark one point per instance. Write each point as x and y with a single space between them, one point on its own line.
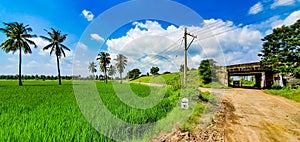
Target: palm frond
28 28
65 47
48 46
4 30
30 42
28 35
62 38
46 38
56 42
51 51
27 48
63 52
9 45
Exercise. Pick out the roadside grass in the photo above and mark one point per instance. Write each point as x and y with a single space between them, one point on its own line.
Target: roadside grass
194 118
292 94
216 85
192 92
169 79
159 79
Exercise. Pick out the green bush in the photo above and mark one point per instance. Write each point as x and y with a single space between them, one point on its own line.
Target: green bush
187 127
276 87
287 92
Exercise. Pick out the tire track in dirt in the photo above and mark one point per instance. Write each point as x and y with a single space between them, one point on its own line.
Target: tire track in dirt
247 115
261 117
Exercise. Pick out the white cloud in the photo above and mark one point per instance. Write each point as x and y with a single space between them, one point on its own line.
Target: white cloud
13 59
148 44
69 54
292 18
258 7
276 21
82 45
81 68
278 3
96 37
242 40
32 64
88 15
41 43
144 42
289 20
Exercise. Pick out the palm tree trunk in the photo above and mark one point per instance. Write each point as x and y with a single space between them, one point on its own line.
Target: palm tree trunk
58 69
20 67
105 76
121 77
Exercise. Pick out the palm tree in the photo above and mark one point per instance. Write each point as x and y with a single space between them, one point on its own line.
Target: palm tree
112 71
92 68
56 39
121 64
18 39
104 60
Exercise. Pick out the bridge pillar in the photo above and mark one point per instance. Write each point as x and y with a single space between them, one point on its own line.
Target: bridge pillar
227 79
263 80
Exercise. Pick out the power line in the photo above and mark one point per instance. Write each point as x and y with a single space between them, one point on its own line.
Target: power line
234 28
219 23
157 59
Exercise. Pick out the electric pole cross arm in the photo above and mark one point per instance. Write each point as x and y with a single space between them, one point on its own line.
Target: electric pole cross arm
186 47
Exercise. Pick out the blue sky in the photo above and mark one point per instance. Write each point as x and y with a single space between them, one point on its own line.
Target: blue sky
135 28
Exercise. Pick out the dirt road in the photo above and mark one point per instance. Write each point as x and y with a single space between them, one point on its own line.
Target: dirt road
151 84
258 116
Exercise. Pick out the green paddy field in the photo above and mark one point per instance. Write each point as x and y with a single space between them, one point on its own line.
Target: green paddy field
45 111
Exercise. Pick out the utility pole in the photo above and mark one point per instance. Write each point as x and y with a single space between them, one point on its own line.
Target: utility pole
186 47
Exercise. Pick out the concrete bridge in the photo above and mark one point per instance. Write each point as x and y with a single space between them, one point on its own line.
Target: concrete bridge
264 76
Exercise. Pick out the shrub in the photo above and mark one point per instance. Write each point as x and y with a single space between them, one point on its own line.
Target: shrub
167 72
187 127
276 87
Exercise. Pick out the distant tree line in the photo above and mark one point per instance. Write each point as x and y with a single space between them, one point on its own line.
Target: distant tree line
109 70
37 77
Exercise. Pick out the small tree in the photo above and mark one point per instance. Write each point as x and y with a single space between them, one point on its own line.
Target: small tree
207 70
154 70
134 74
